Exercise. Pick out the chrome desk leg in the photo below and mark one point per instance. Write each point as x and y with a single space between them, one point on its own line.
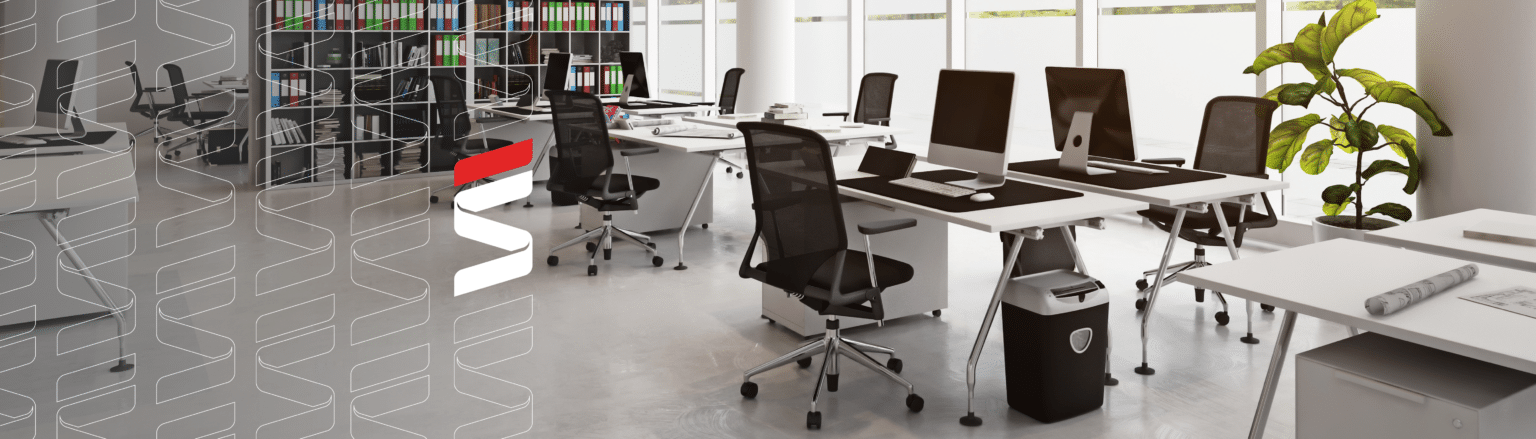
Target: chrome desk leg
1157 285
970 419
1226 233
1272 379
50 223
529 201
709 173
1082 267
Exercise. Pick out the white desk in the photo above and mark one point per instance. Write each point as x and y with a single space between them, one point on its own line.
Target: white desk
1443 236
50 188
1188 197
120 142
1026 221
1309 280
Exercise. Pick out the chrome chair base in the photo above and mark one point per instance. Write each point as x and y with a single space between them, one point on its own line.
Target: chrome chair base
1144 289
602 238
831 346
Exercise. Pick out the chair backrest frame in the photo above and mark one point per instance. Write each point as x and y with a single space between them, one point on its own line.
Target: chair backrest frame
583 152
872 103
729 89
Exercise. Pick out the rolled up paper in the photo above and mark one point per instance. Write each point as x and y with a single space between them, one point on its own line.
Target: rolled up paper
1395 300
669 129
649 122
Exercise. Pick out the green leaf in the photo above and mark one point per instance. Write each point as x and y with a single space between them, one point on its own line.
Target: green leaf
1309 50
1291 94
1336 131
1338 194
1286 140
1380 166
1394 92
1324 85
1394 210
1273 56
1366 78
1402 141
1314 159
1362 134
1345 22
1336 209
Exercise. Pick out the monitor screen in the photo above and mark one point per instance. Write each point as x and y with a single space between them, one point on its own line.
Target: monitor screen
555 73
1098 91
54 98
972 109
633 63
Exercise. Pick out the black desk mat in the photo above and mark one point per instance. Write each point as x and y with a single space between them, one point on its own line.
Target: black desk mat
90 138
1118 180
1012 193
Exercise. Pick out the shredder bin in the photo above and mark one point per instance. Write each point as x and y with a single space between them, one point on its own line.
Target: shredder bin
1055 335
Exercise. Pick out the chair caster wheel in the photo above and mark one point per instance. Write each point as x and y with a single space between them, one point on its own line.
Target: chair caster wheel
433 199
831 382
813 420
553 260
914 402
894 364
704 226
1141 304
591 270
1141 285
938 312
749 390
739 175
803 362
1267 308
970 420
656 261
1200 295
727 169
607 254
1222 318
591 247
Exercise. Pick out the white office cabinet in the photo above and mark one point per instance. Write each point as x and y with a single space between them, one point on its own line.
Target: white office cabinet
1374 386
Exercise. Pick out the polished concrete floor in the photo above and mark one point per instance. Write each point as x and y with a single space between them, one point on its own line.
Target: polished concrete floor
329 313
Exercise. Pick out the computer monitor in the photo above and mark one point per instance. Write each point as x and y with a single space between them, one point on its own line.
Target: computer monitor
55 100
972 113
1100 92
559 67
633 63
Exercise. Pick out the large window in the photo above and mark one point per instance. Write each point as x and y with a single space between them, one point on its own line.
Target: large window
821 54
725 41
908 38
1024 37
681 61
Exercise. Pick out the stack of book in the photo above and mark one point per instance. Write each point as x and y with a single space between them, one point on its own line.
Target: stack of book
330 164
330 97
368 165
544 55
287 132
577 58
327 130
409 159
787 114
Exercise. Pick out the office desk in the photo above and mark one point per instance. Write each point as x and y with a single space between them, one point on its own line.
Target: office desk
1188 197
49 189
712 148
1026 221
120 142
1288 279
1442 236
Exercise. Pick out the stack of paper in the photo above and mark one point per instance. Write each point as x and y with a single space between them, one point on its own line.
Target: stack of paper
787 114
330 163
410 159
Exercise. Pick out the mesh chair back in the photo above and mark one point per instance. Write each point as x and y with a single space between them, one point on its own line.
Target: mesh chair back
875 92
138 90
728 90
1235 136
794 192
178 91
582 149
452 115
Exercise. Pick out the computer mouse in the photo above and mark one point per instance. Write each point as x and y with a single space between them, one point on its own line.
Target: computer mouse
982 197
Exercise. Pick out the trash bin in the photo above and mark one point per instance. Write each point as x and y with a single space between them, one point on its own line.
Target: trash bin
1055 335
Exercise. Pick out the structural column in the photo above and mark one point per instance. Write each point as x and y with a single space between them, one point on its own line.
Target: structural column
765 47
1470 71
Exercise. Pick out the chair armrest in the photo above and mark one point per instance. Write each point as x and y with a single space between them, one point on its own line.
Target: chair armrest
155 90
1261 176
877 120
878 227
704 103
639 150
1176 161
843 114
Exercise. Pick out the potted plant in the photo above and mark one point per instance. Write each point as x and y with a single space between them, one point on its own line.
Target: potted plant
1348 131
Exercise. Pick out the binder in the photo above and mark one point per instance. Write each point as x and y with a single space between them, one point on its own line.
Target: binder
622 20
567 15
309 15
453 11
276 90
394 14
437 50
441 13
303 91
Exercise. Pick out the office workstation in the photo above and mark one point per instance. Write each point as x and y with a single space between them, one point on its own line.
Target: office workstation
765 218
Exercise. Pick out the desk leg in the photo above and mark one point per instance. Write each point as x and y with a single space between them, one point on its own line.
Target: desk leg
1077 258
1157 285
709 173
529 201
1272 379
1226 233
970 419
74 258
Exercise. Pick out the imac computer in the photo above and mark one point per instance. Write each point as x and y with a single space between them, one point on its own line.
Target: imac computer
972 113
1091 116
556 72
633 66
55 103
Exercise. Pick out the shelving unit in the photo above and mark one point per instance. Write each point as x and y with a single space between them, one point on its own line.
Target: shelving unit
403 122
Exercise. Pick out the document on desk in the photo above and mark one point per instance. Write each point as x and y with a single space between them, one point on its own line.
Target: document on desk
1518 300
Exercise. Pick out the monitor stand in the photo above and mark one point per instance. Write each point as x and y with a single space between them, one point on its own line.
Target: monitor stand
982 181
1074 153
76 125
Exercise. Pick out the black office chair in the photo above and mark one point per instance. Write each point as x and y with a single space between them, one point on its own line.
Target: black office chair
147 107
452 129
583 166
874 104
199 121
1234 139
727 105
800 224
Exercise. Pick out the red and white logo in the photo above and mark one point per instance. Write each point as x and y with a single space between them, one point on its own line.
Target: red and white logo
484 230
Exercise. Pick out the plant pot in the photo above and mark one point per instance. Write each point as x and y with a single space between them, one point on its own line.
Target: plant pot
1334 227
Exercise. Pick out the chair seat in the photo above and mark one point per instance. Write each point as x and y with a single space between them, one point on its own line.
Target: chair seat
471 147
200 116
811 275
620 183
1201 228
